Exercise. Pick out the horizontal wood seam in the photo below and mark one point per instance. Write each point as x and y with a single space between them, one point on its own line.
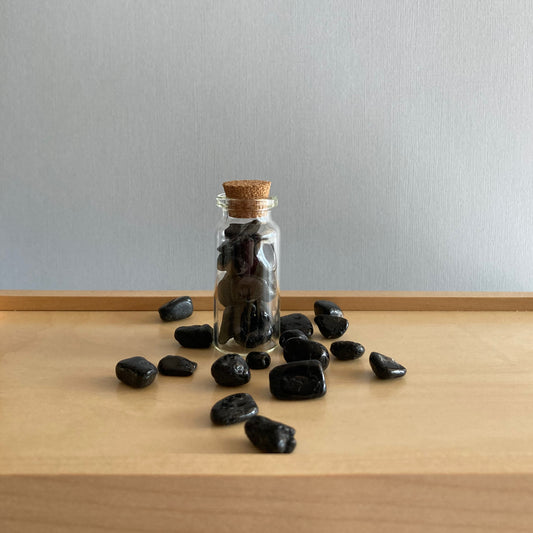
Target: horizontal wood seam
290 300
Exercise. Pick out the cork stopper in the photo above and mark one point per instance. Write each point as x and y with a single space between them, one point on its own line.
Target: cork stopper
247 197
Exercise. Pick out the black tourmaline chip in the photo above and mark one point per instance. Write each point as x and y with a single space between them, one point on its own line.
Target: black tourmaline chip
230 323
233 409
254 327
225 290
291 334
176 309
296 321
258 360
244 258
137 372
224 257
230 370
297 349
331 327
346 350
242 230
385 367
325 307
251 288
301 380
194 336
224 332
176 365
270 436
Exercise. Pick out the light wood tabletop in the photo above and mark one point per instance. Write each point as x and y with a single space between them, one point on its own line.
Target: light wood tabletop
446 448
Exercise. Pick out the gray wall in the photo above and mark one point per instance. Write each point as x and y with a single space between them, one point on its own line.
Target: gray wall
398 136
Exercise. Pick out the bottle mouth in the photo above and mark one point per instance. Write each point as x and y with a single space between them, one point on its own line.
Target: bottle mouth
246 207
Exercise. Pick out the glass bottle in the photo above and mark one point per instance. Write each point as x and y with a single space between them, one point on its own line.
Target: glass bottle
246 296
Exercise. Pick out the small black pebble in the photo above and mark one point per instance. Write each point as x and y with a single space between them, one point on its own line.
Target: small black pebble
258 360
296 349
194 336
230 370
176 365
137 372
385 367
255 325
346 350
233 409
242 230
325 307
270 436
296 321
290 334
176 309
301 380
331 327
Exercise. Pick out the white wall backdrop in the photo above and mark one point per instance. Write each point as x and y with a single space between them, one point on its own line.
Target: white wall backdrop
398 136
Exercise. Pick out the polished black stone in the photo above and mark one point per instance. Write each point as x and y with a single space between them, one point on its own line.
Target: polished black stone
297 349
233 409
194 336
301 380
291 334
137 372
385 367
254 327
244 257
176 365
250 288
234 290
225 333
346 350
230 370
176 309
225 290
325 307
330 326
239 255
225 256
242 230
270 436
296 321
258 360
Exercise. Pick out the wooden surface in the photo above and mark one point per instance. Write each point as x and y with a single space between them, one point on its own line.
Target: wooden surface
446 448
291 300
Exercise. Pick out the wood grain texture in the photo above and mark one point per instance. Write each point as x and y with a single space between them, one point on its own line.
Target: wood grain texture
290 300
465 503
448 446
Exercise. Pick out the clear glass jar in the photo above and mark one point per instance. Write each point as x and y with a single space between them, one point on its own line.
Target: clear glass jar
247 280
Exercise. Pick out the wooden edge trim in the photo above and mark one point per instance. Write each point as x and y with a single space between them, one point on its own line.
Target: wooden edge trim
127 503
290 300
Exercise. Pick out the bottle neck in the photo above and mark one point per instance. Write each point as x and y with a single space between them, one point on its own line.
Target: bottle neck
265 218
247 208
